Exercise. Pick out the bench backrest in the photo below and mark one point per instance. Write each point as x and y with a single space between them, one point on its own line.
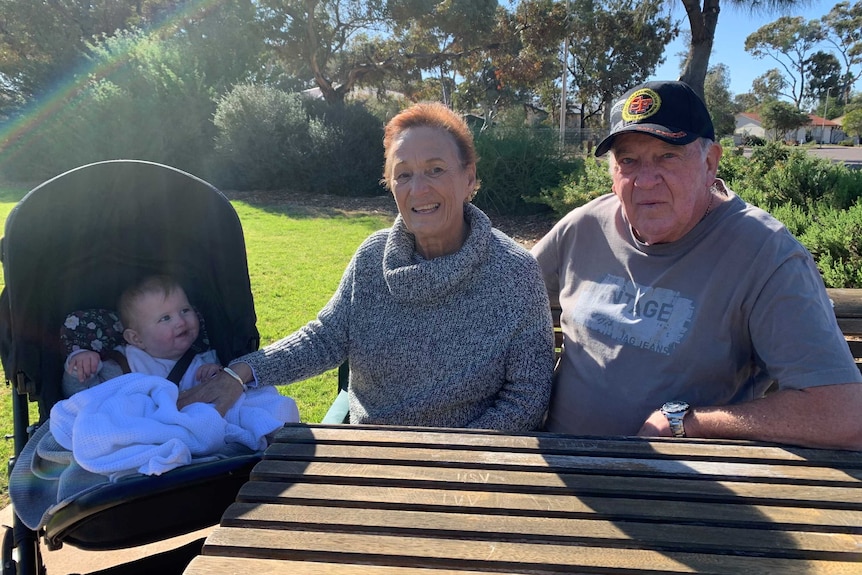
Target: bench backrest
848 311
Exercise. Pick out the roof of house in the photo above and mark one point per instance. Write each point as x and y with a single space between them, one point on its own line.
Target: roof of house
750 116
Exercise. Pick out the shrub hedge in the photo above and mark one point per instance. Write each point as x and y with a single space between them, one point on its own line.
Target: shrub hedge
269 139
515 165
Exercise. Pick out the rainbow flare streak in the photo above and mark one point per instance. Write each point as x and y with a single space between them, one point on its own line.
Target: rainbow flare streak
16 134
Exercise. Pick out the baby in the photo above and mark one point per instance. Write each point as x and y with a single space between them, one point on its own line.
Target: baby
160 326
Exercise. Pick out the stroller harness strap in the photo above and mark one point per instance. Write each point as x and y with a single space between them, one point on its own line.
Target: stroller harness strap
182 365
174 376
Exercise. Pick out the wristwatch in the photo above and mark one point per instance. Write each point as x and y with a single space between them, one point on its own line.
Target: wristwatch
675 412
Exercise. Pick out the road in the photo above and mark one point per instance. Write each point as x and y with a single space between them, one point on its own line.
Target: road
850 155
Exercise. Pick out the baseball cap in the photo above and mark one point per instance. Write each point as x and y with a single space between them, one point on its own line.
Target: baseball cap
669 111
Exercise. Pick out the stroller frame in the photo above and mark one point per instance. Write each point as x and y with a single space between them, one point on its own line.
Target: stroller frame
74 242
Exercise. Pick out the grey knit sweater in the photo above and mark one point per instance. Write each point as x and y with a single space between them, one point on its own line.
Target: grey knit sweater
463 340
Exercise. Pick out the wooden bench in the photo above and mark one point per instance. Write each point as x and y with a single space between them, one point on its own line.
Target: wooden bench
847 306
848 311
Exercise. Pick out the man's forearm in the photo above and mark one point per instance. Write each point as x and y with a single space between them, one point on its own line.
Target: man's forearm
825 417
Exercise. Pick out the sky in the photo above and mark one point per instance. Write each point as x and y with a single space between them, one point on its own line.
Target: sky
734 26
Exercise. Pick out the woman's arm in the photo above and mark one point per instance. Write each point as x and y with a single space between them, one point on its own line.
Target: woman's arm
523 400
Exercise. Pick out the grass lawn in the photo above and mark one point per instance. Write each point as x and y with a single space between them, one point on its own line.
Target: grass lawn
295 263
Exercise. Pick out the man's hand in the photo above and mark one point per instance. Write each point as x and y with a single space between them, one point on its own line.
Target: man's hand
221 391
656 425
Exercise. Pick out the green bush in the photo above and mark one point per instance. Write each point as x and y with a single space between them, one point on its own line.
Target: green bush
804 180
776 175
588 181
733 168
149 103
754 141
767 156
515 165
346 156
834 238
795 218
269 139
800 180
263 139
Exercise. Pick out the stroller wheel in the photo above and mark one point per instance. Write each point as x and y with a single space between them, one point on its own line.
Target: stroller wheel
8 549
30 562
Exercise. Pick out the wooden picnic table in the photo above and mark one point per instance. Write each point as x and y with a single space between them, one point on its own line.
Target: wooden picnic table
363 500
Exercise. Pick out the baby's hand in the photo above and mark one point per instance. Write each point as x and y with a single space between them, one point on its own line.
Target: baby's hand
83 365
207 371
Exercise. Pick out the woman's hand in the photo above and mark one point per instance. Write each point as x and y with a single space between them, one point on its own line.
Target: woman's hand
207 371
221 391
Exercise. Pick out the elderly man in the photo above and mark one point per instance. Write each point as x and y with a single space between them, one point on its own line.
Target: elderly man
682 304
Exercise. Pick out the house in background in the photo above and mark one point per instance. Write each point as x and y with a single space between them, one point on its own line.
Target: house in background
747 124
855 139
819 130
822 131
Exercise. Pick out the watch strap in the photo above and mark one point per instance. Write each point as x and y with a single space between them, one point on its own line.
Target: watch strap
677 428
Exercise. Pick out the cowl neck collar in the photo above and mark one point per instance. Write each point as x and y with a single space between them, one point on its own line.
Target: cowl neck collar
413 279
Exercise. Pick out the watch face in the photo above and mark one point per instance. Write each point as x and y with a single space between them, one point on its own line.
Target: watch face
674 407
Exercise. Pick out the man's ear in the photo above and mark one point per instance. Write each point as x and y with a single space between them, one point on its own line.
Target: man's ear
132 337
713 156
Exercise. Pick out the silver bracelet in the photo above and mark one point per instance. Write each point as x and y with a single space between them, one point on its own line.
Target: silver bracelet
236 376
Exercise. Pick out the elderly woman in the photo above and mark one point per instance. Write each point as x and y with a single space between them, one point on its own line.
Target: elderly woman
444 320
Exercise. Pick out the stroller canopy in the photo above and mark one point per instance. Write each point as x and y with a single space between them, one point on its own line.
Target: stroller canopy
77 240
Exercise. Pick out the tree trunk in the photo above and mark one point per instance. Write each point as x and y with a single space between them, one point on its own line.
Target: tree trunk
702 22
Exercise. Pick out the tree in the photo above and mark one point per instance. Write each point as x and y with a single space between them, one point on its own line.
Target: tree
768 86
451 40
528 53
148 95
615 44
782 117
703 18
42 43
844 31
339 44
789 41
718 100
746 102
320 40
853 123
824 75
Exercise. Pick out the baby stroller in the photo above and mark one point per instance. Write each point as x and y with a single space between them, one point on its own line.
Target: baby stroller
72 243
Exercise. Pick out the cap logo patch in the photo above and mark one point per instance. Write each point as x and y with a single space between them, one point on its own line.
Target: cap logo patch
641 105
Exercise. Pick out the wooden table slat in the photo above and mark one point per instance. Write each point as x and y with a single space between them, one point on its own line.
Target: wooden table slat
722 513
478 459
205 565
548 443
461 554
573 531
520 481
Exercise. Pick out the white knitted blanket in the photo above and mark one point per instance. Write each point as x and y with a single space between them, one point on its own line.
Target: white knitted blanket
131 425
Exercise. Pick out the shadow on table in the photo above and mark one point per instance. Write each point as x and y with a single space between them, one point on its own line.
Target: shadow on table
702 504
